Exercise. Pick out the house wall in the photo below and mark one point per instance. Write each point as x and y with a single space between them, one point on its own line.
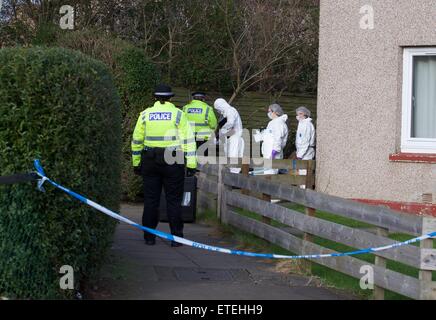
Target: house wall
360 99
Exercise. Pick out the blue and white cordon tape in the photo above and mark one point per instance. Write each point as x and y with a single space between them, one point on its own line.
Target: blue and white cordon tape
40 172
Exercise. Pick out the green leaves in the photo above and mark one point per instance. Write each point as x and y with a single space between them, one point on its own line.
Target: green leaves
62 107
135 77
138 78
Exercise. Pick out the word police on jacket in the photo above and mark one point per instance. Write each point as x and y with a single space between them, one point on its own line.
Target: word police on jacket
195 110
156 116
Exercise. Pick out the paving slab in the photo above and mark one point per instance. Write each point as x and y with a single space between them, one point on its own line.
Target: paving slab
140 272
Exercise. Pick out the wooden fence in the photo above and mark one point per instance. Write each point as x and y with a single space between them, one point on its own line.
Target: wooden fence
226 193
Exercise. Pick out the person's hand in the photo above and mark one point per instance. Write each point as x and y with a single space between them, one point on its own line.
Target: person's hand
274 154
190 172
137 170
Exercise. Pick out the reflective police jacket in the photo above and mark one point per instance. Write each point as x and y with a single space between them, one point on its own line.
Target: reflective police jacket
202 118
163 126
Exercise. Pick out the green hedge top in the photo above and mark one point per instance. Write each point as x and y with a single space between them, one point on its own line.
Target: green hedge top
62 107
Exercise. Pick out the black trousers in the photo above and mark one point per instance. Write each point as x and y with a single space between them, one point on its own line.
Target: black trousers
210 145
157 174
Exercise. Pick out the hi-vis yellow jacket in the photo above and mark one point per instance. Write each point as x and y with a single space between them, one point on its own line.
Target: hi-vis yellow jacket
163 126
202 119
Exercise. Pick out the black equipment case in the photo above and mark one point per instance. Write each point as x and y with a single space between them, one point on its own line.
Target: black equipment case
188 212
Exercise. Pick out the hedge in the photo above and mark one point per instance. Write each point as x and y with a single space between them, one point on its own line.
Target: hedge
135 77
138 79
62 107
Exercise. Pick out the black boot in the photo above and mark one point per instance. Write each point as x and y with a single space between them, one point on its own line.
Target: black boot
150 242
176 244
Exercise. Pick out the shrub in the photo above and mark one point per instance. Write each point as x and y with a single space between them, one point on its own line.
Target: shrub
138 77
62 107
135 77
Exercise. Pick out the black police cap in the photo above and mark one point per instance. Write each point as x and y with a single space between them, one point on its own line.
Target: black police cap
162 90
199 94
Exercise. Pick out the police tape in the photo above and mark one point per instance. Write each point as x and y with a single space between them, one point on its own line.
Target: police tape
44 178
18 178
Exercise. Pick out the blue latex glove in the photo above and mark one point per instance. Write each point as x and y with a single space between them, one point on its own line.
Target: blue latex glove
274 154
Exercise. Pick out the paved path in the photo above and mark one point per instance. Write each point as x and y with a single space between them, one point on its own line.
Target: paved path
137 271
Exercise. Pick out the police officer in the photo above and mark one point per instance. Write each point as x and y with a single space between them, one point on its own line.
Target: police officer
201 117
163 135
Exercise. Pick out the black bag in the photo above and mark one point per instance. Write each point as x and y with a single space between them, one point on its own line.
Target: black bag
189 212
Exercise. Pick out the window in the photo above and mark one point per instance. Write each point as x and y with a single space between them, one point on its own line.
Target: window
418 133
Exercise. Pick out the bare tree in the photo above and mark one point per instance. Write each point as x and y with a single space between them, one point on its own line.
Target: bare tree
172 24
160 27
263 43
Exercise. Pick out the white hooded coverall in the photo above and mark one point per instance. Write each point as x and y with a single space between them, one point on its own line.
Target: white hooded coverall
305 140
234 144
274 137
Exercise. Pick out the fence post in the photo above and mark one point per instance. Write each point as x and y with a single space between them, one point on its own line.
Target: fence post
306 265
220 191
266 197
245 170
310 175
379 292
426 275
428 291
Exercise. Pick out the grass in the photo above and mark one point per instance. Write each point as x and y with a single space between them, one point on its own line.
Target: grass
330 217
329 277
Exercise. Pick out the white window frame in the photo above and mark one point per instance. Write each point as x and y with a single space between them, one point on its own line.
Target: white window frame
409 144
